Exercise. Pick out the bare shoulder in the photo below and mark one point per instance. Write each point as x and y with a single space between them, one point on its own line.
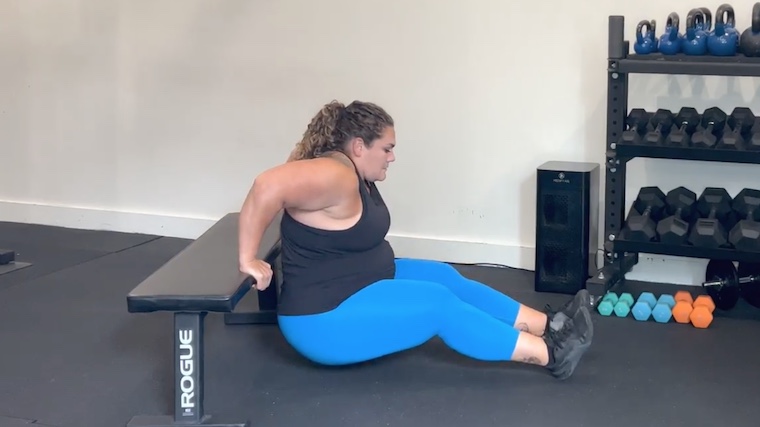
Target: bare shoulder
312 184
330 165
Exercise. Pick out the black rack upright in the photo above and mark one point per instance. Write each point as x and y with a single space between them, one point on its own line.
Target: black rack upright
620 255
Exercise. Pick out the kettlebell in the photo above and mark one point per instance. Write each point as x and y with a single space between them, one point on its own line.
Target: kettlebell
695 40
671 40
646 42
723 41
706 23
749 42
730 20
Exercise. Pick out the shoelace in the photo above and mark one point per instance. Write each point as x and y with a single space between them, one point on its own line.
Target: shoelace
559 336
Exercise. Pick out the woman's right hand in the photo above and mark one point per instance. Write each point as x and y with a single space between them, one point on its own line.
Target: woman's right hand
261 272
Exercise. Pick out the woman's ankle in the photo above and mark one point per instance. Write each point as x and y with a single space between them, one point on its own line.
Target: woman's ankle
531 349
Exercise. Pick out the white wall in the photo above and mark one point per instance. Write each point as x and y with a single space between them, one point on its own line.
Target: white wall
155 116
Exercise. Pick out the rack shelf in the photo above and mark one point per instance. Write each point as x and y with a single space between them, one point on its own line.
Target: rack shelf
622 245
657 63
620 254
687 153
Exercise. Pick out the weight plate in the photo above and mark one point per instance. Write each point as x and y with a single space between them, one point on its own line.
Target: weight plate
750 291
726 296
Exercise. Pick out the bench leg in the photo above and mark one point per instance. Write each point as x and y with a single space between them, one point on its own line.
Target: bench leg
188 379
251 318
265 314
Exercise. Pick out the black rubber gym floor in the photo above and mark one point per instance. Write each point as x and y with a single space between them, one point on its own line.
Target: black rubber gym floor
71 355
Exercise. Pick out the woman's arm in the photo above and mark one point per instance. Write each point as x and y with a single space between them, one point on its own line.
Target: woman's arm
308 185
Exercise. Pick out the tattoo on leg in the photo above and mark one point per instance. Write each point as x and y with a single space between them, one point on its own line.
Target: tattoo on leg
522 327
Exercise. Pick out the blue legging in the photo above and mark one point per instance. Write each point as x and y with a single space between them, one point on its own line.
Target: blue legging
425 299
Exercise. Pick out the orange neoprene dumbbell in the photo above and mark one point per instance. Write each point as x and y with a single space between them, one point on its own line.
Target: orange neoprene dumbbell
681 311
701 316
706 301
684 296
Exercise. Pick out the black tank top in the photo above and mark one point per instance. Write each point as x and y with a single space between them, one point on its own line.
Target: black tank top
322 268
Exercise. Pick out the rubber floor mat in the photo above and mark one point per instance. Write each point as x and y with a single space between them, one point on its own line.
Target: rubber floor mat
72 356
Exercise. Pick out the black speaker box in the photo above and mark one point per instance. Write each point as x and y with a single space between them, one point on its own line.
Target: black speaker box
567 225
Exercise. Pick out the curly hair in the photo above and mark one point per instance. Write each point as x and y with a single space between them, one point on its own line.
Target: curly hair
335 124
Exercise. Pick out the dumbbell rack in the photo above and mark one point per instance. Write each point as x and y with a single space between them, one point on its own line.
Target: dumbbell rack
620 255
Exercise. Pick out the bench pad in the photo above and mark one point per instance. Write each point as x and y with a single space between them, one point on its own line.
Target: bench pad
205 275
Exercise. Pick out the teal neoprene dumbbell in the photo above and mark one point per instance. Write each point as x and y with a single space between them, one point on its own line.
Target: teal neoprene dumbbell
623 306
663 310
607 304
643 307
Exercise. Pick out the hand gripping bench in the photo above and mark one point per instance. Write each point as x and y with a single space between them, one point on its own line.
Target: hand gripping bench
203 278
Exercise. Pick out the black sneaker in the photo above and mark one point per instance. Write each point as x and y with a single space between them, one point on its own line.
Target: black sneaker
568 343
557 318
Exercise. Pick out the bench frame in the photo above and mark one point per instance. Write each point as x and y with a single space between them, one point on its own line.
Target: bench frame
189 358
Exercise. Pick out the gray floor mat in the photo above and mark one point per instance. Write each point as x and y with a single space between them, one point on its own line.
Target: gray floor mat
45 260
12 233
72 356
50 249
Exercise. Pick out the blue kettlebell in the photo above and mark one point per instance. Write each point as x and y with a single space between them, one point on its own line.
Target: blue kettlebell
671 40
749 42
723 41
695 40
730 20
706 23
646 43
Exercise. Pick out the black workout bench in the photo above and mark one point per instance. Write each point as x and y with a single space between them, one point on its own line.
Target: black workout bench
203 278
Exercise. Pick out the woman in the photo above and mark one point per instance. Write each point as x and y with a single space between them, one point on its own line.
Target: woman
345 298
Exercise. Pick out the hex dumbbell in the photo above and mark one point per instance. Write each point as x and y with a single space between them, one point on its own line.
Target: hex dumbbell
682 307
641 224
753 142
738 128
659 127
607 304
636 124
663 310
702 312
714 206
684 125
623 305
612 303
712 124
745 236
644 306
698 312
674 230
